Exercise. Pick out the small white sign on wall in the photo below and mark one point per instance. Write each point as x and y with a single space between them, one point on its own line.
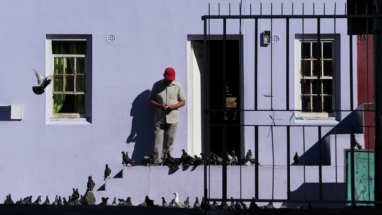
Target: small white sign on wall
17 111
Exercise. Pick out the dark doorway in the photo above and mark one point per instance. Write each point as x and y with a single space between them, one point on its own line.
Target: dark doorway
215 92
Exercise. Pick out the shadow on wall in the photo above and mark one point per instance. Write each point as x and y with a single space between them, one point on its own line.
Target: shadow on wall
5 113
330 191
142 128
311 155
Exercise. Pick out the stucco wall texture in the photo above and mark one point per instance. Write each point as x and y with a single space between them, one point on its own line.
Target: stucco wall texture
42 158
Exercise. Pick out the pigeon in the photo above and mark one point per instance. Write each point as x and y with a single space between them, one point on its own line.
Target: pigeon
356 143
114 202
83 200
146 159
47 202
299 207
251 159
245 207
216 205
197 204
270 205
8 200
77 194
178 203
185 159
210 207
128 202
143 204
253 204
172 203
149 202
216 158
310 206
90 184
122 202
284 206
191 160
20 202
164 203
170 161
230 159
104 201
197 161
235 160
65 202
224 206
232 206
203 204
42 81
29 201
55 201
76 201
238 206
70 202
187 203
59 202
244 161
127 160
297 160
107 172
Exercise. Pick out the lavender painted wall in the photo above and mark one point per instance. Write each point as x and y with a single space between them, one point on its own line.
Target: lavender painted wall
49 158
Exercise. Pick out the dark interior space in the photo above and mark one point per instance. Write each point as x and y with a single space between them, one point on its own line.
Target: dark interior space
359 24
216 91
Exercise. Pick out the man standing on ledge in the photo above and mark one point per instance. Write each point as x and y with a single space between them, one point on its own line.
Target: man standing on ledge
166 96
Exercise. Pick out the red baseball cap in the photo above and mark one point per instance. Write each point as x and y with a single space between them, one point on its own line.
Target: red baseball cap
169 74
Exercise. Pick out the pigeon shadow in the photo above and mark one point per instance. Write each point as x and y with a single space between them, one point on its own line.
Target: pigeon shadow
330 192
311 156
194 167
171 171
142 128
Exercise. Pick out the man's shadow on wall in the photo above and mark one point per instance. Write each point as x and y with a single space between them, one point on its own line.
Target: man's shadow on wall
142 128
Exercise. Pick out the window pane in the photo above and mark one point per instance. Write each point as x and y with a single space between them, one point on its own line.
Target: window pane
314 69
69 103
58 84
314 101
80 83
314 51
305 50
69 83
328 71
69 47
69 65
80 67
305 86
79 103
327 50
328 87
305 64
58 65
306 106
328 103
314 86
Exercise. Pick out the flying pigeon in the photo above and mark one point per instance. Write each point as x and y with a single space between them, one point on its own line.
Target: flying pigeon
42 81
127 160
149 202
251 159
164 203
284 206
47 202
234 157
297 160
114 202
178 203
356 143
245 207
8 200
90 184
253 204
146 159
197 204
107 172
187 203
104 201
224 206
270 205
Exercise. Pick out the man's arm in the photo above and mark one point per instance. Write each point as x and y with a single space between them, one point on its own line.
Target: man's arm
178 105
157 105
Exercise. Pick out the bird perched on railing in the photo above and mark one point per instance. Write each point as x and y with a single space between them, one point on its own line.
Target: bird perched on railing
126 160
297 160
216 158
251 159
55 200
224 205
178 203
235 160
185 159
114 203
198 161
42 81
253 204
107 172
149 202
128 202
284 205
59 202
230 159
90 184
232 205
356 143
47 202
38 201
197 204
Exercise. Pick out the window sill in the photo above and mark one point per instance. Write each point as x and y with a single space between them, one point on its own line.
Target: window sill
68 121
327 120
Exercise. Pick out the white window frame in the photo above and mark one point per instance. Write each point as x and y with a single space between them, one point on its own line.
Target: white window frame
298 71
50 116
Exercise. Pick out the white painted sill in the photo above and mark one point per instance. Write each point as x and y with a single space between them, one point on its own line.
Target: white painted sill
68 121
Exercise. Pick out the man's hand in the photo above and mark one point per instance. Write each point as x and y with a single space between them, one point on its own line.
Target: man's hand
164 107
171 107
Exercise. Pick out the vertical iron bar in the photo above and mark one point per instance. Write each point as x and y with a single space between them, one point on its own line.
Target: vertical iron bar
257 157
318 71
351 62
352 165
224 165
256 44
303 145
230 9
335 154
288 162
271 60
335 59
302 64
240 18
224 107
204 109
287 63
320 160
208 68
273 165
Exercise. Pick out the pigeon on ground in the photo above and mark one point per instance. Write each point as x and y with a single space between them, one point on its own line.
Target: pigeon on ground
299 207
8 200
59 202
224 206
187 203
42 81
310 206
55 201
284 206
114 202
127 160
238 206
164 203
178 203
230 159
104 201
149 202
146 159
90 184
356 143
232 206
245 207
297 160
270 205
107 172
128 202
235 160
197 204
253 204
251 159
47 202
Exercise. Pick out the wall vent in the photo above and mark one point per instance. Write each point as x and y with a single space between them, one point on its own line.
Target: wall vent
111 38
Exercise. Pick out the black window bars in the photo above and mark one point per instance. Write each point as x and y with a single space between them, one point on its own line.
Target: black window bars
349 127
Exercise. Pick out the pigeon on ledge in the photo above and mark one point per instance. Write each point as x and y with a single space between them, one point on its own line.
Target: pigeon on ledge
297 160
90 184
107 172
178 203
197 204
47 202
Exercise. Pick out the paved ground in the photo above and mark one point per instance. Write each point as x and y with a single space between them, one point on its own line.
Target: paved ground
95 210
